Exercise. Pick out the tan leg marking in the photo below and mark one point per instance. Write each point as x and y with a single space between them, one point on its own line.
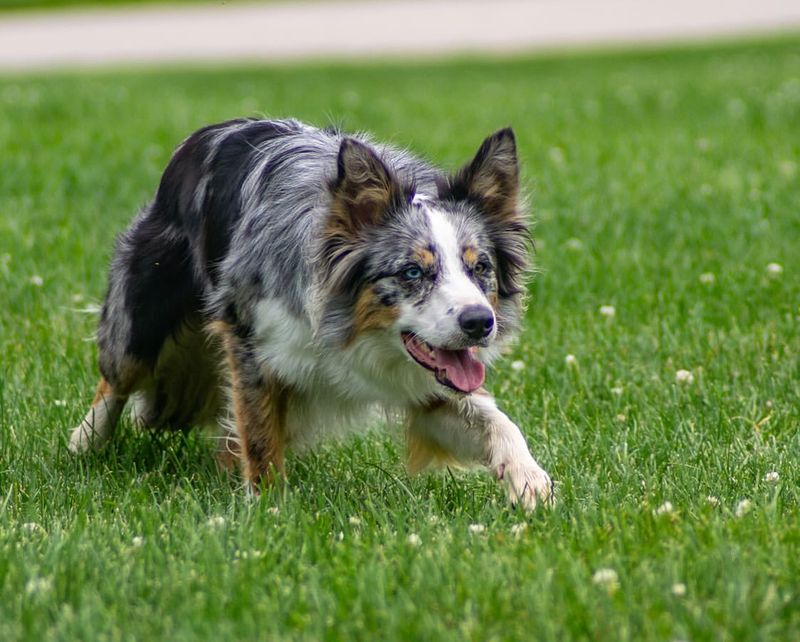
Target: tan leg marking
259 408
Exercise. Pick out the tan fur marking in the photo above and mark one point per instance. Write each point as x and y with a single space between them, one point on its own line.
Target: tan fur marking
103 390
486 187
423 452
351 212
425 257
371 314
470 255
260 415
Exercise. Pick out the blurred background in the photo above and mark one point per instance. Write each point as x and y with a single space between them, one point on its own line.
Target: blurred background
63 33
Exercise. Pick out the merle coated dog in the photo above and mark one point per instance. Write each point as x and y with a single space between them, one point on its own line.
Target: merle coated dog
315 276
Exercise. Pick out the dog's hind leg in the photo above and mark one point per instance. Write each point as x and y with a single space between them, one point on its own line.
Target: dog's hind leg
98 426
151 293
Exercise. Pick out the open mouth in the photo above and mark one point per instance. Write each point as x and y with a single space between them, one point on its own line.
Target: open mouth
457 369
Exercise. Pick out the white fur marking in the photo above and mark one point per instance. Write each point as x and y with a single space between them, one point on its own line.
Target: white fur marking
97 426
458 288
336 388
437 322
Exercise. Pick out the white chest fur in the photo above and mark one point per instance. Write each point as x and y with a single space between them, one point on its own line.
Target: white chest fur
337 384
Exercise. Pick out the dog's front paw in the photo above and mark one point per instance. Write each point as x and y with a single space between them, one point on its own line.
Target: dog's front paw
527 484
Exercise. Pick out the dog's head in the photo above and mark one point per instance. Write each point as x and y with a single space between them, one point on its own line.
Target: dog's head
443 272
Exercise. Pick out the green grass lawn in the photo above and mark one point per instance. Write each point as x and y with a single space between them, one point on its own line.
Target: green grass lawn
663 185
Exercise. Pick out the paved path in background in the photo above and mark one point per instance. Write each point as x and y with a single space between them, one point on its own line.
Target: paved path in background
360 29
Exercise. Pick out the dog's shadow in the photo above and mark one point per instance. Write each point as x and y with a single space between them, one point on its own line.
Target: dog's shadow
356 474
162 460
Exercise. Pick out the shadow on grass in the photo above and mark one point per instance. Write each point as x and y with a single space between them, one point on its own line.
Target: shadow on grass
359 474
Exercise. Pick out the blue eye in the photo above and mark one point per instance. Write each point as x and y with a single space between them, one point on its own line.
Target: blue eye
412 273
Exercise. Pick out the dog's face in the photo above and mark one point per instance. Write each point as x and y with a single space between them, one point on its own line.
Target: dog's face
442 272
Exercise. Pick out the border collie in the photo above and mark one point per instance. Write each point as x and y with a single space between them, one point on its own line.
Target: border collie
335 275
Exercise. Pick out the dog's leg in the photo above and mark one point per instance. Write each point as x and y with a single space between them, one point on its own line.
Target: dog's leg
473 429
99 423
144 409
259 410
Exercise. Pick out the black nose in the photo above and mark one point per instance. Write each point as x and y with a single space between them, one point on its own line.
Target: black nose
476 321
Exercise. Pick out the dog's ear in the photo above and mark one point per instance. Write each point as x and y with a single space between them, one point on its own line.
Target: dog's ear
491 182
491 179
365 189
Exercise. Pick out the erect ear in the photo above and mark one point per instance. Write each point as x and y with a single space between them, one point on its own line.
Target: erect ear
491 179
365 188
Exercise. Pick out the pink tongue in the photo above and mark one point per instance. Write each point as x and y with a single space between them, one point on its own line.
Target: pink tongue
462 370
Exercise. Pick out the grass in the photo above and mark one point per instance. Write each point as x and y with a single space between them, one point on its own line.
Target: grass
646 170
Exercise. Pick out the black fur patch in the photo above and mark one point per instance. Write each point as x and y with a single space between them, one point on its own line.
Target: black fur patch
161 290
222 206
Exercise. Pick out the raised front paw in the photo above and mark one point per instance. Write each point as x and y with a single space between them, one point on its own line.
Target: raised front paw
527 484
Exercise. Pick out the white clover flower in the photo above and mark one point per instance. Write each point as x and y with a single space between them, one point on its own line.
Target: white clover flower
556 155
617 391
37 281
684 378
413 540
217 521
518 529
712 500
354 520
607 578
571 361
31 527
273 510
707 278
665 509
772 477
59 403
608 311
518 365
787 168
476 529
774 270
576 245
620 418
679 589
743 507
137 542
38 585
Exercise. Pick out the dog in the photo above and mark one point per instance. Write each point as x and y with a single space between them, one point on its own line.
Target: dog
316 276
